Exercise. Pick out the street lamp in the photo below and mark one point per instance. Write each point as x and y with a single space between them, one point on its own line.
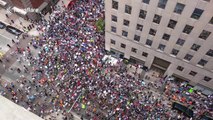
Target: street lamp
82 92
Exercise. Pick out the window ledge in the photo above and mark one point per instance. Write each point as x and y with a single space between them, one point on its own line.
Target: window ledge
172 55
199 66
148 46
185 60
160 51
123 36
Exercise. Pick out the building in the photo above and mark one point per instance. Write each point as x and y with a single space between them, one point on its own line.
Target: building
173 37
12 111
30 9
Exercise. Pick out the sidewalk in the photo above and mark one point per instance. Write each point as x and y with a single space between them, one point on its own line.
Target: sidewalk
19 22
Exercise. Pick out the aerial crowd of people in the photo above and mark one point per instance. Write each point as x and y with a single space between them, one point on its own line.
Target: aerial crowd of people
69 74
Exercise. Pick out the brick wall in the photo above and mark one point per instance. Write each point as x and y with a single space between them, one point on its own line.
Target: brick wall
36 3
17 3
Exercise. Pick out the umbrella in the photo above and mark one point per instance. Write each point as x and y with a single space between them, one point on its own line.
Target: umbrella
191 90
83 106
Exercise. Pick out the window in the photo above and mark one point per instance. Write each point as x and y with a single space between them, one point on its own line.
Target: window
162 4
188 57
114 4
195 47
204 35
166 36
174 52
161 47
202 62
113 29
128 9
114 18
152 32
144 54
207 79
211 21
146 1
180 68
179 8
148 42
123 45
139 27
192 73
142 14
197 13
210 53
112 41
137 38
180 42
134 50
157 19
124 33
126 22
172 24
187 29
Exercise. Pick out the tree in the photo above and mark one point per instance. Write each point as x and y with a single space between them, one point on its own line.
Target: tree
100 25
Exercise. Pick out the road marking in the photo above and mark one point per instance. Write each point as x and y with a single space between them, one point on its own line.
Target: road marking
6 37
1 54
76 116
8 10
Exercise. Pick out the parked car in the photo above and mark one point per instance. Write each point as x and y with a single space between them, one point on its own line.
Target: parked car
2 25
13 30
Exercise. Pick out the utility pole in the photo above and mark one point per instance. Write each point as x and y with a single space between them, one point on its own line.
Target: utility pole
82 92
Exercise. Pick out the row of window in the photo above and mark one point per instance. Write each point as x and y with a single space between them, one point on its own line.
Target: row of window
132 50
180 68
161 4
180 7
161 47
147 1
172 23
174 52
193 73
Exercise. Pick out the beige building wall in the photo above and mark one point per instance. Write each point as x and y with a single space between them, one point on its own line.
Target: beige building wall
183 19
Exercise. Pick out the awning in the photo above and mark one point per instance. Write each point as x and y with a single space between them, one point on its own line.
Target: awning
158 66
207 92
198 88
42 6
203 89
180 78
3 3
18 10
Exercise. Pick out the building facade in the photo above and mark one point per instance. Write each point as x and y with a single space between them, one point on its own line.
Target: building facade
173 37
26 3
31 9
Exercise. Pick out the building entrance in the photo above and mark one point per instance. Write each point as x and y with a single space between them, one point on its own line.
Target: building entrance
116 53
179 79
159 66
134 60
